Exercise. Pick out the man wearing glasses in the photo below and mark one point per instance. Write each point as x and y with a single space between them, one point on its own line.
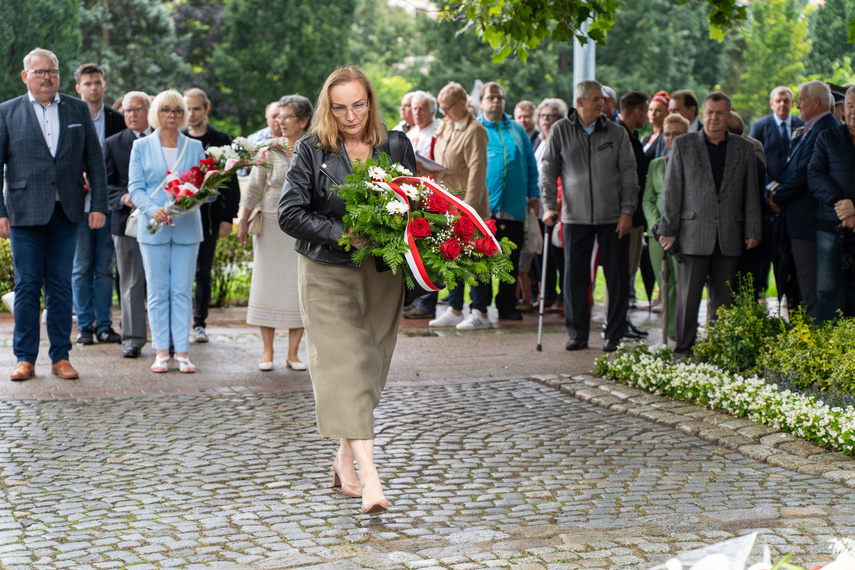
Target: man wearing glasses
216 217
47 142
117 156
92 276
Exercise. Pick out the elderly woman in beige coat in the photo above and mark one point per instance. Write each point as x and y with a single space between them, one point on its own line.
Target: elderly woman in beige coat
461 146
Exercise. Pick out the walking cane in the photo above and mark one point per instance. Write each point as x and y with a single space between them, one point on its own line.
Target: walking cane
543 282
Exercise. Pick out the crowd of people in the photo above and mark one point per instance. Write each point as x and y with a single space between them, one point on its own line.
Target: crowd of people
696 198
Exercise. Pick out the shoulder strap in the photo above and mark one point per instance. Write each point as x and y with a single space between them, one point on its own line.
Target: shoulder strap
396 153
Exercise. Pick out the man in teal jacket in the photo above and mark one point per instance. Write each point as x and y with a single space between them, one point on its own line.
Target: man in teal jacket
512 183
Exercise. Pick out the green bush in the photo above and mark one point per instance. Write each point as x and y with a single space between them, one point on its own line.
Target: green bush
230 274
7 270
820 358
738 337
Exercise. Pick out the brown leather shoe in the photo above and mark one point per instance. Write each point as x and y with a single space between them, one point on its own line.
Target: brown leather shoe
23 371
64 370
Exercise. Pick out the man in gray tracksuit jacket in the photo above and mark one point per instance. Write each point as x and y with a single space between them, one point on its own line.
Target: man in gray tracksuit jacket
599 184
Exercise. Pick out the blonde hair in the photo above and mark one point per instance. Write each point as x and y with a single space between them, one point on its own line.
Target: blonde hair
169 97
452 94
324 125
676 118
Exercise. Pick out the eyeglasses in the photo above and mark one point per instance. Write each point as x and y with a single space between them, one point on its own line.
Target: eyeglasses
285 117
447 107
549 116
171 112
137 110
357 109
42 72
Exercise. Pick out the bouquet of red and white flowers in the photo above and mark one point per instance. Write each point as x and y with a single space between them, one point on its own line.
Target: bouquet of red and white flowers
192 188
417 224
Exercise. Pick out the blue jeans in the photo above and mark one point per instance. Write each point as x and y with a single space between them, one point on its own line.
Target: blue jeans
92 277
834 292
42 257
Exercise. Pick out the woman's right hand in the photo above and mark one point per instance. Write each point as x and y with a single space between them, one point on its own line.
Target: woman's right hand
161 215
243 231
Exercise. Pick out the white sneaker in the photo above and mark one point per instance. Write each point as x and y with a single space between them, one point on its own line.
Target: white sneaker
199 335
475 321
447 319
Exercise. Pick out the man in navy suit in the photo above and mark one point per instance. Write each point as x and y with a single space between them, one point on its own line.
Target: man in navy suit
117 156
775 131
792 193
92 276
47 142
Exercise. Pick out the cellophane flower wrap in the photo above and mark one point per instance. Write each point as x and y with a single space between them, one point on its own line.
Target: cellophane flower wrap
389 211
190 189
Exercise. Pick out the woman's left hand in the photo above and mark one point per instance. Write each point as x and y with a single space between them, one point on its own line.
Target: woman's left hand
243 231
161 215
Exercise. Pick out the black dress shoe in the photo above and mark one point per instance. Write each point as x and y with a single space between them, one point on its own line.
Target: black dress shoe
109 336
86 336
633 332
576 344
611 345
512 315
131 352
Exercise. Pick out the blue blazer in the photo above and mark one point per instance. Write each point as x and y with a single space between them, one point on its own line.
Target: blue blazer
33 177
793 191
767 132
146 171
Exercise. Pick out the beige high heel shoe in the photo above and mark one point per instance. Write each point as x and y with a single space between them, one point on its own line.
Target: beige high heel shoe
346 488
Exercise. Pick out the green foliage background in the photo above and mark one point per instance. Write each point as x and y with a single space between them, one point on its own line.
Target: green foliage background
246 53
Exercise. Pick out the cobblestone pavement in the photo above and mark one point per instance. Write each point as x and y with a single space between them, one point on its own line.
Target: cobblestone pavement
503 473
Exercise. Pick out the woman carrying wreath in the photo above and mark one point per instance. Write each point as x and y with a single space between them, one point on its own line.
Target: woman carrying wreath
350 312
169 256
273 298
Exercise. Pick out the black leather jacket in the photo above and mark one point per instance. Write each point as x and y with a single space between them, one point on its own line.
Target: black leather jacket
310 211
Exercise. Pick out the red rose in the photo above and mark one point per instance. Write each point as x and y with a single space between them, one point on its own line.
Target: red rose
186 176
420 228
436 204
450 249
491 225
485 246
464 228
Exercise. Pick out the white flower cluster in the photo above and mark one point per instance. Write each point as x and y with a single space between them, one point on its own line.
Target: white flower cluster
221 153
399 170
752 398
245 144
411 191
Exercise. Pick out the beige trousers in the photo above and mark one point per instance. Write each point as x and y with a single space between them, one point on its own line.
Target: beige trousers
351 318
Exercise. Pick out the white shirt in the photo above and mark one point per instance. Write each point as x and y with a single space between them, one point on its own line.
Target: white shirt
48 118
422 139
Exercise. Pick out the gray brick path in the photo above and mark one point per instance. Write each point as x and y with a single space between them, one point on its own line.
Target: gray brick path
483 474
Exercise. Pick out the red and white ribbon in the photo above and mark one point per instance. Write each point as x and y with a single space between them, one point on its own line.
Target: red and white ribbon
414 260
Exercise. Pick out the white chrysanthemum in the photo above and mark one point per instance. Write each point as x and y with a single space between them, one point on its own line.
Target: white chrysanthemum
245 144
215 152
411 191
395 207
377 173
401 170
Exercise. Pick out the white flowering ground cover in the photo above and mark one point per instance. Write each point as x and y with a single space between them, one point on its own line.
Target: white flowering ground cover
753 398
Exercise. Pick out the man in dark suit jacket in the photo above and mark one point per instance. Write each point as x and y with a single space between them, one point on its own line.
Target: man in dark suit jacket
776 131
709 207
92 276
47 142
792 193
117 156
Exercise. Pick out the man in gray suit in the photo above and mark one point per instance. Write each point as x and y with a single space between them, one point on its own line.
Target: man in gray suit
709 207
47 142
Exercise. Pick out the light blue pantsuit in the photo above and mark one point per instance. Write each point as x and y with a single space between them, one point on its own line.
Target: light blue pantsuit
170 269
169 256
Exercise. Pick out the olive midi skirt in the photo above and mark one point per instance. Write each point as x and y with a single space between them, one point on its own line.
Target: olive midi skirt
351 317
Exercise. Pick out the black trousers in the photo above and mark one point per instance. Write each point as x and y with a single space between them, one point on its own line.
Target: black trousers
614 256
204 263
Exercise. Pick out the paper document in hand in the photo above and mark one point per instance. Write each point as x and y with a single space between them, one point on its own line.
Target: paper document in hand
430 165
